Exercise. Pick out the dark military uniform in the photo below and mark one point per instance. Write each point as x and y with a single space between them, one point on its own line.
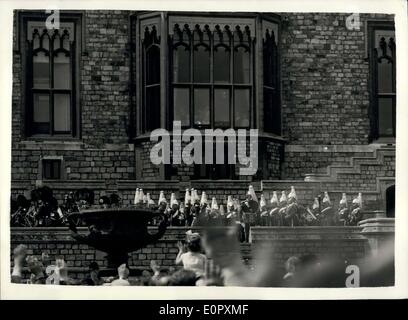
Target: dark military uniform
249 215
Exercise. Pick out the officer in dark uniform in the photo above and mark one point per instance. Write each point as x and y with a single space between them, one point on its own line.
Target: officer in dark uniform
249 213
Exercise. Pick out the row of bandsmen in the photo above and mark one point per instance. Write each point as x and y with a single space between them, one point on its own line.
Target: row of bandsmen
279 211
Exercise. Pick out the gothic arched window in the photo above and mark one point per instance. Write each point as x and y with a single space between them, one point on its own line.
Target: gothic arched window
212 75
50 61
383 86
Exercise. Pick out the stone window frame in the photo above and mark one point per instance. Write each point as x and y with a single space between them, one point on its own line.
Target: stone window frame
20 47
371 26
260 22
63 171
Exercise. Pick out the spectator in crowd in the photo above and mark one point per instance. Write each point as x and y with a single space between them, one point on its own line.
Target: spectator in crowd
183 277
19 253
291 266
193 259
159 277
36 269
123 273
93 279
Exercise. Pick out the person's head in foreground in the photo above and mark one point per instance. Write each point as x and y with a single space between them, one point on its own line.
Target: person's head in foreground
194 242
36 270
183 278
19 253
123 273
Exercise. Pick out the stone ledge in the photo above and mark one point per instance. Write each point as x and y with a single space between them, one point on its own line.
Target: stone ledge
306 233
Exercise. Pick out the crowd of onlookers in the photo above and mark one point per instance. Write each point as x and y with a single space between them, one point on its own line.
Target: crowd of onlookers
196 270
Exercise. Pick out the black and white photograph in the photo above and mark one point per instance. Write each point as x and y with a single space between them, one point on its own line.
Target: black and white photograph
203 148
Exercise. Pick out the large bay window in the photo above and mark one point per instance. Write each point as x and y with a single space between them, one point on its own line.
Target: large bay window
204 71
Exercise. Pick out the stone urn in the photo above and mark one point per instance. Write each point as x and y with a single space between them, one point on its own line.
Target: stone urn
118 231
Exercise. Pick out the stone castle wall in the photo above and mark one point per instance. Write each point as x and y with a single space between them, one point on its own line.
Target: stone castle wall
325 96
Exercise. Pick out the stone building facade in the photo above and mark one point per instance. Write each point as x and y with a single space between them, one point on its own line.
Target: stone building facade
323 121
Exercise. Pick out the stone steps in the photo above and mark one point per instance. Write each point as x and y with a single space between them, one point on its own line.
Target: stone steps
354 166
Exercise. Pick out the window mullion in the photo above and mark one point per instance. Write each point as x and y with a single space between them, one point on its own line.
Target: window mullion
212 111
72 95
191 42
232 60
51 52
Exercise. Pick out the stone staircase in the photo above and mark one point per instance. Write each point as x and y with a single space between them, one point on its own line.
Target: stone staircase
335 171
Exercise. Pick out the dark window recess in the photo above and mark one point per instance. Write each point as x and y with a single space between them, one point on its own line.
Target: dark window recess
151 81
215 171
51 169
272 113
212 76
50 81
383 86
390 202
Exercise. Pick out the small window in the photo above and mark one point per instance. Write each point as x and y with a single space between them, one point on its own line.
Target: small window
390 202
272 113
215 171
382 71
51 169
151 80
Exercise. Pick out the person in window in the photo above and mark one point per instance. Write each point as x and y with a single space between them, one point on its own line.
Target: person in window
193 259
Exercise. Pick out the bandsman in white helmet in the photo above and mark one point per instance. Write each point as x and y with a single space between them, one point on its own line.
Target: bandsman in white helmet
162 198
356 214
195 208
214 210
264 211
204 200
342 215
292 195
310 217
150 201
174 210
231 212
187 197
223 215
137 196
142 197
291 213
327 211
275 217
283 204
